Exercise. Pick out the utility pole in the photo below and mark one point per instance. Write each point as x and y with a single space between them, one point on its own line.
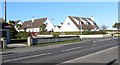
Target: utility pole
80 24
5 11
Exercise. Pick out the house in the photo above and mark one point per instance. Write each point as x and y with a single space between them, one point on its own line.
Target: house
56 28
17 24
34 25
73 24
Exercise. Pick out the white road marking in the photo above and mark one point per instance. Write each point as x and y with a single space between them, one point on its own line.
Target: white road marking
94 44
71 49
89 55
27 57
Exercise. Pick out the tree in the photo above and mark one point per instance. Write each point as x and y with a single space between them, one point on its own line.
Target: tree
104 27
117 25
18 25
13 31
11 22
42 28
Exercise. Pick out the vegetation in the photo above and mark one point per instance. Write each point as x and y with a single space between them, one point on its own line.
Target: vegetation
18 25
23 34
55 35
42 28
13 31
104 27
84 33
117 25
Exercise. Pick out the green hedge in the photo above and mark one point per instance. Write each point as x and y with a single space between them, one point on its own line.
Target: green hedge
78 33
55 35
23 34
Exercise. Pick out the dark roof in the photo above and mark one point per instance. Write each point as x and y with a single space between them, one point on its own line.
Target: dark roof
59 26
83 25
35 24
16 22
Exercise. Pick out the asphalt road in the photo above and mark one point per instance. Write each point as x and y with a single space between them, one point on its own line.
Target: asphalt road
62 53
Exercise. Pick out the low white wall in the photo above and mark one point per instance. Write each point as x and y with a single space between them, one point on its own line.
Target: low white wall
95 36
83 36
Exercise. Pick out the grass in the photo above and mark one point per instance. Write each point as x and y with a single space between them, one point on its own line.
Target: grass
20 39
56 43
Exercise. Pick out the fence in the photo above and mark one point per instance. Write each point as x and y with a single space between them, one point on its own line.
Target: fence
51 39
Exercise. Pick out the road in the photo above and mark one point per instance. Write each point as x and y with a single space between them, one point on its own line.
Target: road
62 53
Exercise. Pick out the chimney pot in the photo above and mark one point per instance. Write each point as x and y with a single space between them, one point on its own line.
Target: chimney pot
33 19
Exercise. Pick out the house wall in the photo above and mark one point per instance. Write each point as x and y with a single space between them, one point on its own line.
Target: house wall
21 30
56 29
68 27
32 29
49 25
20 22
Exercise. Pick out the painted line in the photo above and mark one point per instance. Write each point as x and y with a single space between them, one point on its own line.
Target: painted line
90 54
94 44
27 57
71 49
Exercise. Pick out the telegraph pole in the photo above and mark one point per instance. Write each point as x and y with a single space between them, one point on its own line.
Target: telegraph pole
5 11
80 24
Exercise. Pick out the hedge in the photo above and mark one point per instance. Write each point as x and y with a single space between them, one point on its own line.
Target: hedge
23 34
78 33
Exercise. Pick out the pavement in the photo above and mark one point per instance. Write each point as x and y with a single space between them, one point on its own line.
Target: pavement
104 56
59 53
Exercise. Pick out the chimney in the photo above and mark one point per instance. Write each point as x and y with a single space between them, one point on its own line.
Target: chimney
92 18
33 19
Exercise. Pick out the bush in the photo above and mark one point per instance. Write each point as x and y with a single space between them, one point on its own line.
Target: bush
55 34
45 33
84 33
23 34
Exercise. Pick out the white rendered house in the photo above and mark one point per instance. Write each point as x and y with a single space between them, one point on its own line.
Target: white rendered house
34 25
73 24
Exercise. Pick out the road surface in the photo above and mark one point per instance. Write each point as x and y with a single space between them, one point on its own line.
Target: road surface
62 53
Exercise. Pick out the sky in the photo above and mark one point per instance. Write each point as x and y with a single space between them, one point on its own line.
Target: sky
105 13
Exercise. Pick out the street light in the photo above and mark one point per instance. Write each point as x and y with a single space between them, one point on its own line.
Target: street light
80 24
5 11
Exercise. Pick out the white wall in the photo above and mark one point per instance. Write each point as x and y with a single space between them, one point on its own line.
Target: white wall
20 22
21 30
32 30
56 29
83 36
49 26
68 28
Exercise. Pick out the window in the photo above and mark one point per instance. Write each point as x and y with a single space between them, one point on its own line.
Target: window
88 23
68 23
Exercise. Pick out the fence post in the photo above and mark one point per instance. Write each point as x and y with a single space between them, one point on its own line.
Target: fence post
4 43
29 41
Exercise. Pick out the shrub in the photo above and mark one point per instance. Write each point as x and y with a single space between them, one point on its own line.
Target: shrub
55 35
23 34
45 33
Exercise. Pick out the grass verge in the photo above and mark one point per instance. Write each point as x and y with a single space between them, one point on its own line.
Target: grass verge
56 43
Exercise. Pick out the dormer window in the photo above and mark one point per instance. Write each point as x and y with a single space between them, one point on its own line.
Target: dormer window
68 23
46 23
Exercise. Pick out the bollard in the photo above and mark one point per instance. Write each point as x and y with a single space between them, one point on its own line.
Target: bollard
29 41
4 43
80 38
